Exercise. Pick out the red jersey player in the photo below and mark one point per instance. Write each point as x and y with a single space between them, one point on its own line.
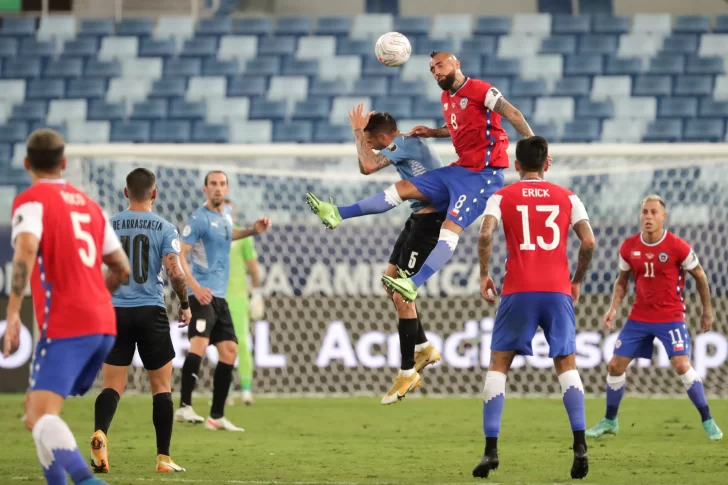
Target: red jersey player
658 259
61 238
537 290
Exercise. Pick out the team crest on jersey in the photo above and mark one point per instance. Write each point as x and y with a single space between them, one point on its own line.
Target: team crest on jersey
175 245
444 106
463 103
617 344
187 231
663 257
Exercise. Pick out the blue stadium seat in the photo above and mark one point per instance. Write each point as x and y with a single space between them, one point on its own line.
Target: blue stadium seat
37 125
502 83
471 64
369 86
406 88
30 47
502 67
217 67
598 44
295 67
339 26
570 24
100 110
534 88
45 89
182 67
479 45
264 66
171 87
277 46
572 86
326 133
527 106
608 24
492 26
412 26
296 132
372 67
616 66
14 132
150 47
153 109
86 88
323 87
705 65
9 47
652 86
203 132
682 107
583 65
353 47
559 44
399 108
427 109
179 109
168 131
263 109
293 25
312 109
709 108
30 111
585 108
691 24
102 69
555 7
21 68
681 44
721 24
64 68
261 26
18 27
704 130
96 28
581 131
140 27
425 46
215 26
550 131
247 86
82 47
693 85
665 130
669 65
200 47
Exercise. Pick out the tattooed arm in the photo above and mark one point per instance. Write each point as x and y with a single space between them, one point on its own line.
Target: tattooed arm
485 247
118 269
177 278
369 162
508 111
426 132
701 283
584 232
26 250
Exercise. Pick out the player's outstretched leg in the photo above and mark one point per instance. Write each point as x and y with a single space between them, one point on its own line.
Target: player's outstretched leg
494 395
104 410
694 387
573 396
425 353
408 379
331 215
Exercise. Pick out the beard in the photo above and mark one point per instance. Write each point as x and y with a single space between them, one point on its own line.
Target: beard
447 82
217 201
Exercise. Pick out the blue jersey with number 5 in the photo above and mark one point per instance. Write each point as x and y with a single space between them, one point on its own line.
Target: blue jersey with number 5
146 239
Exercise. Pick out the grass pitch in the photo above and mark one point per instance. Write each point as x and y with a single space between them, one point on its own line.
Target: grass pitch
358 441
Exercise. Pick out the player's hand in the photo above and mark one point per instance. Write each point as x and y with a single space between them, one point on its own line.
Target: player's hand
184 317
262 225
706 321
358 118
608 320
575 292
421 132
203 295
12 334
257 307
487 289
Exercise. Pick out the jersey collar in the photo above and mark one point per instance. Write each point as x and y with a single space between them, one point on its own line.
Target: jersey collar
664 235
461 87
52 181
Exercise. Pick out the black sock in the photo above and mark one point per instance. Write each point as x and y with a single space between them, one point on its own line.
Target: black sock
189 378
220 388
491 444
105 408
421 337
163 417
579 439
407 335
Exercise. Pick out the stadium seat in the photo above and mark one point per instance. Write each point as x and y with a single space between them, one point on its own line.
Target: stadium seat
370 86
168 131
15 132
217 26
560 7
637 108
182 67
479 45
503 67
177 27
251 131
681 107
559 44
583 65
200 88
538 24
102 69
247 86
338 26
412 26
297 67
652 86
691 24
518 46
550 110
5 111
663 131
102 111
713 109
451 26
293 25
64 68
277 46
203 132
29 111
550 131
294 132
609 24
681 44
623 131
341 106
598 44
264 109
652 23
548 67
226 110
586 108
199 47
405 88
12 90
217 67
425 46
238 47
18 27
611 87
312 110
353 47
263 66
712 45
527 106
118 48
323 47
164 48
288 88
9 47
187 110
57 27
121 89
171 87
153 109
45 89
399 107
492 26
326 133
570 24
371 26
471 64
581 131
628 66
705 65
147 67
258 26
694 85
411 70
328 87
427 109
721 24
80 131
138 27
21 68
82 47
31 47
667 65
639 45
534 88
576 86
96 28
704 130
86 88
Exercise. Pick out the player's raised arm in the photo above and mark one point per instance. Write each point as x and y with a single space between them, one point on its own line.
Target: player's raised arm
427 132
693 266
258 227
367 130
496 102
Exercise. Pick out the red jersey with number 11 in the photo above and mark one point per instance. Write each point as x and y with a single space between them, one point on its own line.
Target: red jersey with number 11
68 286
536 218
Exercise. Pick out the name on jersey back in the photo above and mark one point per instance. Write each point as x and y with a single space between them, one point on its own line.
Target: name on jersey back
137 224
535 192
72 198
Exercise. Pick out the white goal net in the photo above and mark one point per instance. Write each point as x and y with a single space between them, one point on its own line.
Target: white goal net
329 328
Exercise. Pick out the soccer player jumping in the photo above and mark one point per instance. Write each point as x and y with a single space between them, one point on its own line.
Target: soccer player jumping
472 109
537 291
658 259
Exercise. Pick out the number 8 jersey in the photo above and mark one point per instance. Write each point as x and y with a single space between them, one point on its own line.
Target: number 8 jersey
536 216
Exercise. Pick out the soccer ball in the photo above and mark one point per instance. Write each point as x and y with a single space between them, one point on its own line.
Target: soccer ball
393 49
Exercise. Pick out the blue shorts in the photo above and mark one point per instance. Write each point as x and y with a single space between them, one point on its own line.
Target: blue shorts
637 339
68 366
459 191
519 316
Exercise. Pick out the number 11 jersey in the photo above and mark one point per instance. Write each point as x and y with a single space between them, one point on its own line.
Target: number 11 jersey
146 239
536 216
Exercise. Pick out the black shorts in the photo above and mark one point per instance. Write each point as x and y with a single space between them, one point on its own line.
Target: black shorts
211 321
416 241
145 328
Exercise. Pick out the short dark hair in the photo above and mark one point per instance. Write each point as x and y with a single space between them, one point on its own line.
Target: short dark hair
532 152
215 171
45 150
381 123
140 184
433 54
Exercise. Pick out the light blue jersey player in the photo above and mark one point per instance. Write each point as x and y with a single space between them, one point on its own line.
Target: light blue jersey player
142 323
206 241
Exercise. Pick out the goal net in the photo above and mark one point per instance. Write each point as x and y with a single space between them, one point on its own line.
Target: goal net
329 328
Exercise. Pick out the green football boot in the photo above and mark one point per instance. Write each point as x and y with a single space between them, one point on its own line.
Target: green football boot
327 211
605 426
712 429
402 285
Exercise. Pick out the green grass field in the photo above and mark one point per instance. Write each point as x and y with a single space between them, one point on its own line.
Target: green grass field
351 441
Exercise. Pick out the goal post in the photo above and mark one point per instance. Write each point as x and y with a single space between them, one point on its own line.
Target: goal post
329 328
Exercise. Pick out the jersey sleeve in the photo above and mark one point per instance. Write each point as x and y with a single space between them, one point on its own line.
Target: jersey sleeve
491 97
248 248
688 258
194 230
170 243
27 218
111 239
578 211
492 208
406 149
623 256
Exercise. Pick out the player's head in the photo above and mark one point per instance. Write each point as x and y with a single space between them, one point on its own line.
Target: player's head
445 68
45 152
652 214
216 187
531 155
141 185
381 130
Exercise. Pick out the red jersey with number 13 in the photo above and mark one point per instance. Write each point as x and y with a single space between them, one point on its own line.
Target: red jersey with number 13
659 276
475 128
536 218
68 286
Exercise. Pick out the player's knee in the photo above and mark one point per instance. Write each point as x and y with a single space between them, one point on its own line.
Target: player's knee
198 345
615 367
681 365
450 237
404 309
228 352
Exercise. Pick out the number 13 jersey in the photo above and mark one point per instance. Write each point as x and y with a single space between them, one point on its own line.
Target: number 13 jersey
536 216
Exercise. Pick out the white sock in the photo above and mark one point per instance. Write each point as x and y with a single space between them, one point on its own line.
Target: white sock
569 379
392 196
52 433
690 377
616 382
407 373
495 385
422 346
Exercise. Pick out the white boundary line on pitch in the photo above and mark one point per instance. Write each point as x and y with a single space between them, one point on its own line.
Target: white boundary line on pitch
284 482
